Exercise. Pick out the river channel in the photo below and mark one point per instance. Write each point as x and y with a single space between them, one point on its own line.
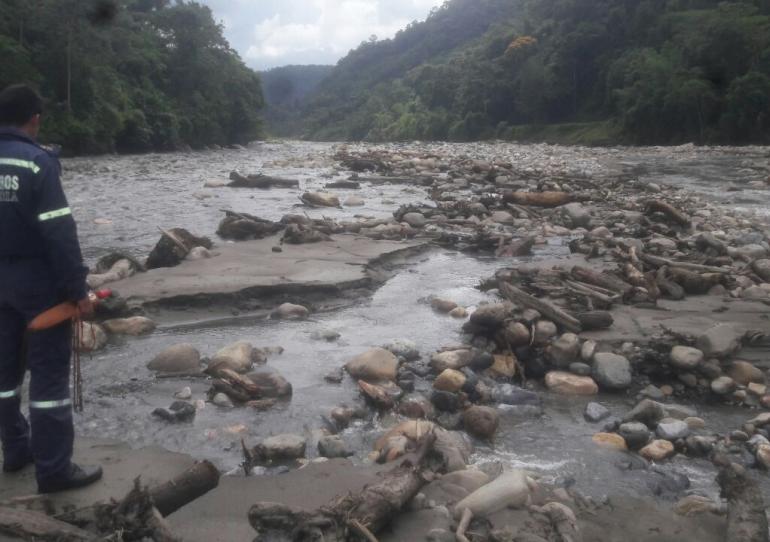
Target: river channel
120 201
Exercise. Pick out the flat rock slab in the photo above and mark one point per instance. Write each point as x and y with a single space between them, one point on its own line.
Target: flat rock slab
121 466
252 268
691 316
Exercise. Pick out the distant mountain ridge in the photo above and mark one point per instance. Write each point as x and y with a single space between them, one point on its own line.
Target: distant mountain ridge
646 72
285 89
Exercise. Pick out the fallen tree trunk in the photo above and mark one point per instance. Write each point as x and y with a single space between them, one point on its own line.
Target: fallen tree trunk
351 517
687 266
594 320
548 311
538 199
672 213
260 181
602 299
185 488
603 280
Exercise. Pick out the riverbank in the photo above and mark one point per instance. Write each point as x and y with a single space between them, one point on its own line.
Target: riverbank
506 386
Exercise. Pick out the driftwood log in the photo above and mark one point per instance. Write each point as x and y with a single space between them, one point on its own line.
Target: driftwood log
669 211
548 311
260 181
657 261
601 279
352 517
746 519
139 515
538 199
594 320
195 482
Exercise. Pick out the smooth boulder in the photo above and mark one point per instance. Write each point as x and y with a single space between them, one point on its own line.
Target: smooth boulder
720 341
452 359
283 447
180 358
238 357
685 358
136 325
290 311
570 384
373 365
481 421
611 371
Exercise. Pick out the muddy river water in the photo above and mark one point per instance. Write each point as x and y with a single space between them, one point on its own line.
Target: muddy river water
121 201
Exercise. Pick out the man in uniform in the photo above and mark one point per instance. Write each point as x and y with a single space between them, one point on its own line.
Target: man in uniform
40 266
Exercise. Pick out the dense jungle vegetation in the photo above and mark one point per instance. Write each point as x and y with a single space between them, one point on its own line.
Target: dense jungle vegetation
129 75
605 71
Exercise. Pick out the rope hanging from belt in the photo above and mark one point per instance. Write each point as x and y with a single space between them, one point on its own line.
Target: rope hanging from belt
77 376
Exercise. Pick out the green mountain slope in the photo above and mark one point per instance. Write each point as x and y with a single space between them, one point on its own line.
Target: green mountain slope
649 71
129 75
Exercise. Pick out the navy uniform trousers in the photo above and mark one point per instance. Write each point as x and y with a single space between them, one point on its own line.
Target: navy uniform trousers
26 290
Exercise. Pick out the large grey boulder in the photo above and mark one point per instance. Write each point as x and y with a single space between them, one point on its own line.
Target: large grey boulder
271 383
564 351
180 358
452 359
576 216
238 357
636 434
334 446
685 358
648 412
672 429
136 325
611 371
374 365
283 447
720 341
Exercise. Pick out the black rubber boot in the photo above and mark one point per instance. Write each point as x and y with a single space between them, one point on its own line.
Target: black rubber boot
75 478
17 464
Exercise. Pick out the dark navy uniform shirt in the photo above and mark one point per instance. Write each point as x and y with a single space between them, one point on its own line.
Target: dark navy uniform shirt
35 218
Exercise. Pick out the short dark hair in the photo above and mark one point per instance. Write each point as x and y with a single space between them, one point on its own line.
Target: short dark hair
18 104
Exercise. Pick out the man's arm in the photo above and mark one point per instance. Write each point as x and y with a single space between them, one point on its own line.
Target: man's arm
59 231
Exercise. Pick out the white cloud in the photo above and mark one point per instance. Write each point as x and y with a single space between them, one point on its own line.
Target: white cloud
317 31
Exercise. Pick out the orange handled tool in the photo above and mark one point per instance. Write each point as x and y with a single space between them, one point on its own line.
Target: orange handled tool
63 312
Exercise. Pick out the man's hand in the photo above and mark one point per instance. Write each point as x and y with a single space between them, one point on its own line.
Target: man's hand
86 308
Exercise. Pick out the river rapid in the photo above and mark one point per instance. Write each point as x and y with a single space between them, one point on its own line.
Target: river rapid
120 201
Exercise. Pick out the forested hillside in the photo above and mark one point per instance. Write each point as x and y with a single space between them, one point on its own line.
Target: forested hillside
129 75
286 89
649 71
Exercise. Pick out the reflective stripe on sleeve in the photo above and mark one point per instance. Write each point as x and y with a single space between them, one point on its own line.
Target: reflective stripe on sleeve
54 214
26 164
10 394
50 404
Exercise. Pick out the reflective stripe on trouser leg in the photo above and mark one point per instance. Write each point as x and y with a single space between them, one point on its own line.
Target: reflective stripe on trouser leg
10 394
50 413
50 404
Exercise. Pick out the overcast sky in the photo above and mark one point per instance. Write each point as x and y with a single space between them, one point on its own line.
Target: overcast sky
269 33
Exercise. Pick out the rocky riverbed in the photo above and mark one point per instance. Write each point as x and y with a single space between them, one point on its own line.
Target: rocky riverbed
593 317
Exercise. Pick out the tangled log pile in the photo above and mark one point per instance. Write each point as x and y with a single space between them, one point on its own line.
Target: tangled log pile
138 516
350 517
